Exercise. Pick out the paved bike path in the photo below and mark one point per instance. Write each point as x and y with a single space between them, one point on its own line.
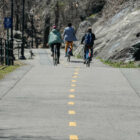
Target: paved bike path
70 102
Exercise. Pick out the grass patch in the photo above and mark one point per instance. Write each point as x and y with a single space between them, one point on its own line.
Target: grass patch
92 16
4 70
78 56
61 3
119 64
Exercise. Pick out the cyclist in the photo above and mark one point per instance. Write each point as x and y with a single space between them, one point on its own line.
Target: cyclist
69 37
88 40
55 39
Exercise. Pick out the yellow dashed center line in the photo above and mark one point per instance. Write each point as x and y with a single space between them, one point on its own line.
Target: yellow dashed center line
72 90
72 124
73 137
71 103
74 81
75 77
71 96
73 85
76 73
71 112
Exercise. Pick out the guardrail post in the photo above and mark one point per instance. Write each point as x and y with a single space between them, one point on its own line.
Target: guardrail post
1 52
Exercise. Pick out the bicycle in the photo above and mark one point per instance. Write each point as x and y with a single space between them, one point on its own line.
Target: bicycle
69 53
88 57
55 57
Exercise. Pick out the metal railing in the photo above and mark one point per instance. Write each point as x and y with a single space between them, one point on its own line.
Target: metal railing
6 56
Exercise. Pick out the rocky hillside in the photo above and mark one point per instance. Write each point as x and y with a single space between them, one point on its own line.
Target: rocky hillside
119 37
117 31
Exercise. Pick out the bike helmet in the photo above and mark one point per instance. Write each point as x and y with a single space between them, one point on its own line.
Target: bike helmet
54 26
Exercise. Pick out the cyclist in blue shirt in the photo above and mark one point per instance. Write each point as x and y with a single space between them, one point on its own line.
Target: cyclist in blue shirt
88 40
69 37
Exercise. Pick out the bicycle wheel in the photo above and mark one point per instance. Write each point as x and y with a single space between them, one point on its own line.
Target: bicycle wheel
55 56
68 54
68 59
88 63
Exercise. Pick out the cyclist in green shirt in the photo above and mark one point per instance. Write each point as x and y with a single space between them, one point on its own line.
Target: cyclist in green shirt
55 39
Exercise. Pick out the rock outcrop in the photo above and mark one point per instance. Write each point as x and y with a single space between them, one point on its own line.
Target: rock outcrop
116 39
117 36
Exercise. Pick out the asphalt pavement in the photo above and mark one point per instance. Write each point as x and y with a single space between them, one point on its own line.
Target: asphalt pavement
70 101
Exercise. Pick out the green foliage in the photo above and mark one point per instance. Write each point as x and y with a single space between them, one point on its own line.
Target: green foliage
78 56
92 16
61 3
119 64
6 70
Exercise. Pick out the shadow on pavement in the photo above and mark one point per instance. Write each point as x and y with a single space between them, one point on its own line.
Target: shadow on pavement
76 61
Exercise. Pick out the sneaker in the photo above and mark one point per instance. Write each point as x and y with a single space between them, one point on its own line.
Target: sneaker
58 62
90 58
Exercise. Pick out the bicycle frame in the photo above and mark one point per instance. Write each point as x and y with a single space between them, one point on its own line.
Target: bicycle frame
69 53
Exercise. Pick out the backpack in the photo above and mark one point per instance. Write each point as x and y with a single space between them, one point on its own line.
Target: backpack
88 39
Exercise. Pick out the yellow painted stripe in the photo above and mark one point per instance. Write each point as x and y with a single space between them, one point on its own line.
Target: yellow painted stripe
73 85
76 73
74 81
71 96
71 103
71 112
75 77
73 137
72 90
72 124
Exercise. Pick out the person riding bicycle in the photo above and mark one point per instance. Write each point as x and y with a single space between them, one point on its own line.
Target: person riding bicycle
88 40
69 37
55 39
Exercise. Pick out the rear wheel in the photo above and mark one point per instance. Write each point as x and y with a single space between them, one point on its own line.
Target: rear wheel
68 59
68 54
55 59
88 63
